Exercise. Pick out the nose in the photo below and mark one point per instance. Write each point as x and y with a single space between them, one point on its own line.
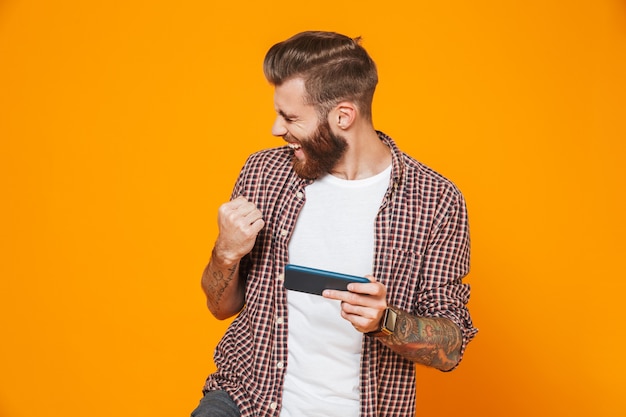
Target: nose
278 128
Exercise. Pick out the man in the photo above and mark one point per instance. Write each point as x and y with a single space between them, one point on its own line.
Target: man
339 196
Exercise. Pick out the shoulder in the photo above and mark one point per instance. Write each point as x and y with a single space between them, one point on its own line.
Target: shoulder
268 164
267 159
433 188
415 176
424 173
266 173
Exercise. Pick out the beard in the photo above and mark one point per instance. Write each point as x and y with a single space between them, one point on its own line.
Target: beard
322 150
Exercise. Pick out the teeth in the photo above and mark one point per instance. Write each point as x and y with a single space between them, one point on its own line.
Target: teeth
294 146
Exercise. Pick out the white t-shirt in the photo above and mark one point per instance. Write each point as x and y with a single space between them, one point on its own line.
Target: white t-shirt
335 231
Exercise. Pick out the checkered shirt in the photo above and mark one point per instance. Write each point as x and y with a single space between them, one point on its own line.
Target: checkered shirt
421 255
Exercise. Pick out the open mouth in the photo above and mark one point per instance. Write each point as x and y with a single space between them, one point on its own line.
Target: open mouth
294 146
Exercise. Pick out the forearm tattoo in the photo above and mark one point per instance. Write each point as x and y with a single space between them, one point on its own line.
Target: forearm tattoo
216 284
430 341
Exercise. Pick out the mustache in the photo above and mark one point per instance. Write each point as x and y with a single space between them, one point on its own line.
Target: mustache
288 137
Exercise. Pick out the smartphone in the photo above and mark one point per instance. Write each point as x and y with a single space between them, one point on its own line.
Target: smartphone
314 281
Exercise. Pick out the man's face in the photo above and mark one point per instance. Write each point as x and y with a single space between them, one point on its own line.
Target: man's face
316 148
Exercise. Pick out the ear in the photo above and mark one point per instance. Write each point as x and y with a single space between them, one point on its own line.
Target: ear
343 115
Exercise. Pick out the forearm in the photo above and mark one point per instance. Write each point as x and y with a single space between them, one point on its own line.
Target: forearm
222 287
433 341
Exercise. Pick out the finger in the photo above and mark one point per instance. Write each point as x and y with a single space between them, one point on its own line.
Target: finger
335 295
355 288
371 288
362 319
364 311
253 217
351 297
257 225
242 211
360 323
230 208
237 202
249 212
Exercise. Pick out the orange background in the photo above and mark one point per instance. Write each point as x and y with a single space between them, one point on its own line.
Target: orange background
123 125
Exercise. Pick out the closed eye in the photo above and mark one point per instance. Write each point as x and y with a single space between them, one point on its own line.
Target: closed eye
289 118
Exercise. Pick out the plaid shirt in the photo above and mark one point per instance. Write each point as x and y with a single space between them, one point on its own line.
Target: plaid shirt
421 255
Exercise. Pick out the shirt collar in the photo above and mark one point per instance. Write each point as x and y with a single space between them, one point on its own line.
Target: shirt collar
397 163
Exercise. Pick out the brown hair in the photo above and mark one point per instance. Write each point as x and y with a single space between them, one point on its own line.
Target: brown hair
334 67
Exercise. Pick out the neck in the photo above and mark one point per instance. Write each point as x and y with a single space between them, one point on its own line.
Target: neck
365 157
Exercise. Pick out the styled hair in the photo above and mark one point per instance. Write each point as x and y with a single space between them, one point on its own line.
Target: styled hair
334 68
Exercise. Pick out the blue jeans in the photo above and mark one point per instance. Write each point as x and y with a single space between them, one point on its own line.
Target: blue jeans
216 404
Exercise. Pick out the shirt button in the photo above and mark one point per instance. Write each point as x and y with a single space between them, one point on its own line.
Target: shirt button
280 365
284 232
273 406
280 320
281 277
300 194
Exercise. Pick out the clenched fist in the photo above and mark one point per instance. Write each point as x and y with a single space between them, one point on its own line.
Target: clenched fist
239 223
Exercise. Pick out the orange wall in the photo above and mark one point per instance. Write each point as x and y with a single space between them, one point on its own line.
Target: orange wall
123 125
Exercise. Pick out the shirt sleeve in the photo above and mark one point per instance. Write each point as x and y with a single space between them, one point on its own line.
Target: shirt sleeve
446 262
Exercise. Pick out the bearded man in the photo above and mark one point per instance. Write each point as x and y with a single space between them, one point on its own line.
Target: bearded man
338 196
